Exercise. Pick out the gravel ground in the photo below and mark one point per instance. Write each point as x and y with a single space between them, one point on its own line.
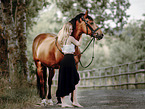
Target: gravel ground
108 99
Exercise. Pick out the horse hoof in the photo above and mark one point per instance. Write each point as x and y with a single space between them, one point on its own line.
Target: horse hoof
50 102
43 102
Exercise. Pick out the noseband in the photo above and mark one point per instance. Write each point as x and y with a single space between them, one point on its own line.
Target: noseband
92 30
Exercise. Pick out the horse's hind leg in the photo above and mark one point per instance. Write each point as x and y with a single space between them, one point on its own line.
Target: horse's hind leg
51 75
41 79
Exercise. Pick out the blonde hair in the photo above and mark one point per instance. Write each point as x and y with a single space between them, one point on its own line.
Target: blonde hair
64 33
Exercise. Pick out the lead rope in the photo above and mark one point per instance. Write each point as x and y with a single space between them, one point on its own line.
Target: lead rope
93 39
92 56
86 47
57 46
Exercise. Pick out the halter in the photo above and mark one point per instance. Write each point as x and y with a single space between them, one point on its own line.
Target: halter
93 31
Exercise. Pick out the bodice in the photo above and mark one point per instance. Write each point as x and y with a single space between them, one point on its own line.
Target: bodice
68 48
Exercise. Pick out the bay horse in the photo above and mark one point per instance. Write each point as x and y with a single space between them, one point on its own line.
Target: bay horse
47 51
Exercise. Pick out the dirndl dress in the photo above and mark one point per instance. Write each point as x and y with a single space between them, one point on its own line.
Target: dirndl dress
68 76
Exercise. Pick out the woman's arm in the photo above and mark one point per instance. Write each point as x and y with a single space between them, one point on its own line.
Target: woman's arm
74 41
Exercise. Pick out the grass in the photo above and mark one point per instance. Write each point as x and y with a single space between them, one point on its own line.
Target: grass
21 97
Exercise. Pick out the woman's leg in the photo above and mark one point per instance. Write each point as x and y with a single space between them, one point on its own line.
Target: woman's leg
75 101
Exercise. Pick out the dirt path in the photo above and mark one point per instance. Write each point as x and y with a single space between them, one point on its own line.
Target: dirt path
109 99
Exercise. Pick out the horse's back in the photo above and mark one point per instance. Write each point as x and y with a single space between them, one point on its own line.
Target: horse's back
38 41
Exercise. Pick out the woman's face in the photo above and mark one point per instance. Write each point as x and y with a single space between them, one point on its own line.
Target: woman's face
70 30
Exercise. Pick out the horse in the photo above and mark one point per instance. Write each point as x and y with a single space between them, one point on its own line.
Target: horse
47 51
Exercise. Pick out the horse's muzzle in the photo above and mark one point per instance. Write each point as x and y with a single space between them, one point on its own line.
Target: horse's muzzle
99 37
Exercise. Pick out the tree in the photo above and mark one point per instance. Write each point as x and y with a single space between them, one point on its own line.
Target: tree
105 12
3 47
130 45
134 35
14 13
13 48
21 34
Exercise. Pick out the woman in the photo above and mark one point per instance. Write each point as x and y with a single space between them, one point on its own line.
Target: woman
68 75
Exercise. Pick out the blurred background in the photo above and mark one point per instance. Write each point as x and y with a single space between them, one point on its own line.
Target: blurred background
122 22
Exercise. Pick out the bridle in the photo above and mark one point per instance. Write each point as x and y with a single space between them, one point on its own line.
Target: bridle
92 30
93 39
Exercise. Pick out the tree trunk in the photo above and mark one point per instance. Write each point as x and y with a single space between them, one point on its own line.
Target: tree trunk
21 33
13 47
3 47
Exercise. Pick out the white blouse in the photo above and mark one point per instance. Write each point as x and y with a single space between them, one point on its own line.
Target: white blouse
68 49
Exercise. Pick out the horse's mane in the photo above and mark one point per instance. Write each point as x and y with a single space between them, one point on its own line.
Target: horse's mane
73 20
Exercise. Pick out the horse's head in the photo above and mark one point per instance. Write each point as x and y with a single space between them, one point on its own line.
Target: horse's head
83 23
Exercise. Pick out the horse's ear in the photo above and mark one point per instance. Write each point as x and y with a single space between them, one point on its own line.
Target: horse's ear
86 14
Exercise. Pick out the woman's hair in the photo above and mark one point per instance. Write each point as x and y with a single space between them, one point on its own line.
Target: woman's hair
64 33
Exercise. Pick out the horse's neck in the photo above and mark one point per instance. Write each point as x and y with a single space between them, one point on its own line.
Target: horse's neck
77 34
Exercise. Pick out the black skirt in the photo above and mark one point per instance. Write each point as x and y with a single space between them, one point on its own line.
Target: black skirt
68 76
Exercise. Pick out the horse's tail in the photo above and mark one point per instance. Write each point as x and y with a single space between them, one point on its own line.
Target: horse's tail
38 82
45 80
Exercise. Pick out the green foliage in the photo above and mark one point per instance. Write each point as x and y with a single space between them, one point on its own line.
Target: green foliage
17 98
32 10
104 12
122 52
137 37
130 45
